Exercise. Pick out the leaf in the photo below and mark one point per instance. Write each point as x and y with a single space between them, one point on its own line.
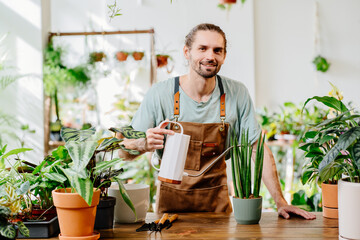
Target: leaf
55 177
130 133
325 139
81 153
330 102
23 229
356 152
72 134
125 196
24 187
83 187
306 176
311 134
8 231
16 151
345 140
107 142
106 165
330 171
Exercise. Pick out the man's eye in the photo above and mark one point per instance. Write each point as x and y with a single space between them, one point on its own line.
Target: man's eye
202 49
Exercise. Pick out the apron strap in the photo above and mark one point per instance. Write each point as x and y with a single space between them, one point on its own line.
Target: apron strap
177 100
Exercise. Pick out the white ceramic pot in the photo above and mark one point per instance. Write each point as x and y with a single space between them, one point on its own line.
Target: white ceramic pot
349 210
140 197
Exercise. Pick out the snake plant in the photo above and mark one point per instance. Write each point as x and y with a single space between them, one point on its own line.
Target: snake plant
241 165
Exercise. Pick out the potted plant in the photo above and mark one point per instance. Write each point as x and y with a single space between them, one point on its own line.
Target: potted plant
96 57
162 60
9 227
138 56
13 197
343 156
319 141
247 203
121 56
82 172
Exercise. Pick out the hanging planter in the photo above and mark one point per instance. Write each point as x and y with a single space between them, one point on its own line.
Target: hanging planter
227 1
321 64
121 56
162 60
97 57
138 56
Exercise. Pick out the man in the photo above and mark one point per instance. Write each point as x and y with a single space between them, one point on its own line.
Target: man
208 107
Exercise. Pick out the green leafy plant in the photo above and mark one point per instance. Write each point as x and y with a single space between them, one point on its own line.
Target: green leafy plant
8 228
332 146
114 10
241 165
321 63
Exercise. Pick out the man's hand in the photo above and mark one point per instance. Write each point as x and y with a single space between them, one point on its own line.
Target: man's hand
286 209
155 137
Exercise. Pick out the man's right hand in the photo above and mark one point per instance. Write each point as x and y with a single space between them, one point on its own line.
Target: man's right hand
155 137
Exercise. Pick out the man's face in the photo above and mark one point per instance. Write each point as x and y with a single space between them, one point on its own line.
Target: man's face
207 53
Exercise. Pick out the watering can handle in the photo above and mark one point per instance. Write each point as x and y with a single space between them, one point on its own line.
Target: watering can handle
182 130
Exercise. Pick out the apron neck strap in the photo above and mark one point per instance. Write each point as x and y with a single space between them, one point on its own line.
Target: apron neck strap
177 99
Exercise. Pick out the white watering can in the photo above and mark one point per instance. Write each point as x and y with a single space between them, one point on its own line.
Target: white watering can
174 157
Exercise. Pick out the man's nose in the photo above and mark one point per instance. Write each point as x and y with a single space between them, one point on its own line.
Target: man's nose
210 55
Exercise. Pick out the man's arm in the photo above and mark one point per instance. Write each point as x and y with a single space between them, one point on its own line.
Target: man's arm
270 178
154 140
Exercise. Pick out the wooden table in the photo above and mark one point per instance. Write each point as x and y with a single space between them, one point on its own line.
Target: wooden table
224 226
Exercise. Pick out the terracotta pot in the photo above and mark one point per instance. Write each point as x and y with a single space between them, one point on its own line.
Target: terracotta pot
138 55
121 56
227 1
162 60
97 56
330 200
349 210
76 217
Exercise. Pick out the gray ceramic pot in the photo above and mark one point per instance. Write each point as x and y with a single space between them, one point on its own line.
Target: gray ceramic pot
247 211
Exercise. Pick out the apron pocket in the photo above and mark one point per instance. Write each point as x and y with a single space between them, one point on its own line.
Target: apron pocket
193 156
212 199
210 150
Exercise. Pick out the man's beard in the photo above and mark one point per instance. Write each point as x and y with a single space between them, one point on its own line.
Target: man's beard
206 73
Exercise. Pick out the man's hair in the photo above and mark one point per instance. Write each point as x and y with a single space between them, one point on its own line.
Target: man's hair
189 39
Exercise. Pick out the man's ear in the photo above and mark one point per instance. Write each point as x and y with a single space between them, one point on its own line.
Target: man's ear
186 51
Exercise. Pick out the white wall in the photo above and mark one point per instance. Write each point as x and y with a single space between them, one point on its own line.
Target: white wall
21 19
284 50
171 22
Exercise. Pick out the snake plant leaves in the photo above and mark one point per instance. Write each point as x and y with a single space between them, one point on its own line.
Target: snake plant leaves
330 102
23 229
72 134
8 231
81 153
106 165
345 140
125 196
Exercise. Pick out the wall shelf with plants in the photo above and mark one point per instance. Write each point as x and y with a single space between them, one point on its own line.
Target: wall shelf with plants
58 77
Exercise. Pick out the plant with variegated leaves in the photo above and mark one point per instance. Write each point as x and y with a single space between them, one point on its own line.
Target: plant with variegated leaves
332 147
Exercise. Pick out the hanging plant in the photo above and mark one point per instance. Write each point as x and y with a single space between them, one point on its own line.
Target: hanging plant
138 55
227 4
121 56
162 60
321 64
96 57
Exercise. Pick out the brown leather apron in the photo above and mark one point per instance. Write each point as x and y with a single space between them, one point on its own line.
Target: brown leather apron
207 192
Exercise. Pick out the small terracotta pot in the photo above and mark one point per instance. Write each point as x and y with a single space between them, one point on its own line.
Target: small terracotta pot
121 56
162 60
227 1
138 55
76 217
330 200
97 56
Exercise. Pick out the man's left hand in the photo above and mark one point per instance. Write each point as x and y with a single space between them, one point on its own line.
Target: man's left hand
285 210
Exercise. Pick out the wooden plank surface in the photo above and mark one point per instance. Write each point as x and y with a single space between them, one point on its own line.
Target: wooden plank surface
224 226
